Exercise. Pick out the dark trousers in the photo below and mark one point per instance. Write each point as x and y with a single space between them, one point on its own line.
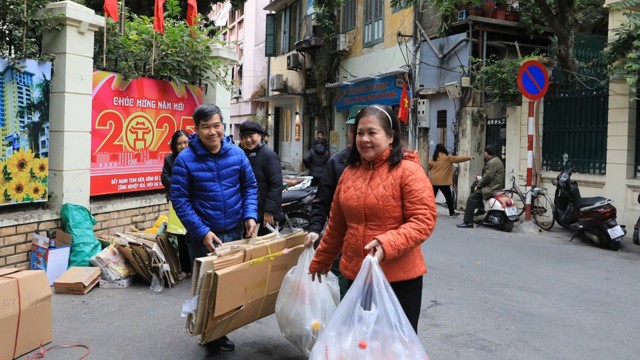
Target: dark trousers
473 202
315 181
409 294
446 191
183 253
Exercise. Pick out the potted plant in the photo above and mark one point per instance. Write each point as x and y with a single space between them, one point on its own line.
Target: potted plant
489 7
499 11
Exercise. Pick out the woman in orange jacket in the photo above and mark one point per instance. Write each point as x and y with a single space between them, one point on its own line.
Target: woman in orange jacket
383 205
441 173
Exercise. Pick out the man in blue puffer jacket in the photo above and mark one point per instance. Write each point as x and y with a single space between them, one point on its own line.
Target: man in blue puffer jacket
213 190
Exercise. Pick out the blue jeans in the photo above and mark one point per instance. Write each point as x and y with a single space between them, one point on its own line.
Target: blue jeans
197 248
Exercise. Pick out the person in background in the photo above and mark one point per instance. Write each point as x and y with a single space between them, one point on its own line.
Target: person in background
179 141
322 204
441 173
267 170
384 206
316 159
213 190
320 135
492 180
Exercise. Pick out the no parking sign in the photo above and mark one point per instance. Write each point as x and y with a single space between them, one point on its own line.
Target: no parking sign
533 80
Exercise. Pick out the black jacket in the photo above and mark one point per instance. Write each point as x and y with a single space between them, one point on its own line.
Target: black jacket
167 169
266 167
317 158
326 189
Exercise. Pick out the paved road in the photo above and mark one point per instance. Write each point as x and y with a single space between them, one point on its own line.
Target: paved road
488 295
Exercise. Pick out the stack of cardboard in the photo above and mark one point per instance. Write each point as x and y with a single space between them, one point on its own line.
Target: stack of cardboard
149 255
240 284
50 254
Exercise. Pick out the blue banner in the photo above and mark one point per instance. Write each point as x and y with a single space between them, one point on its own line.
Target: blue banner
383 91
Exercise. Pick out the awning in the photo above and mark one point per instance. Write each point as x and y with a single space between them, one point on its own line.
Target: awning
277 5
356 80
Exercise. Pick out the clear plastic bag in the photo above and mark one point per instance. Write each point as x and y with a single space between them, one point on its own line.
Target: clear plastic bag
369 323
304 307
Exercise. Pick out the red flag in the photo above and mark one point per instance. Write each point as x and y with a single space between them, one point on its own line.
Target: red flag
158 17
192 12
111 9
405 101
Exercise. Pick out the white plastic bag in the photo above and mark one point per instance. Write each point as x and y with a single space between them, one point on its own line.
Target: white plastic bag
304 307
369 323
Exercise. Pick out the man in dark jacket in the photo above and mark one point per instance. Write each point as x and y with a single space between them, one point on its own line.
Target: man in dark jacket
492 180
316 159
213 190
321 206
267 169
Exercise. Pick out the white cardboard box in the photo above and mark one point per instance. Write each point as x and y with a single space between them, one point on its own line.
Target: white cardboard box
116 284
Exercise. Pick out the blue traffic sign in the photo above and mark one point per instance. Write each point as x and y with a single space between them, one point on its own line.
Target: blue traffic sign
533 80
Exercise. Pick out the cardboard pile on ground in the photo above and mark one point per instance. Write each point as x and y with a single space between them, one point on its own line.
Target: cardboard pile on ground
149 255
240 284
25 311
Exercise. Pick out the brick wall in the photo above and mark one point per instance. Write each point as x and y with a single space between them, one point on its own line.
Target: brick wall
15 240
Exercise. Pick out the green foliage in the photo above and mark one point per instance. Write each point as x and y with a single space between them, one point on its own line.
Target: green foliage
623 53
182 55
173 9
497 77
21 29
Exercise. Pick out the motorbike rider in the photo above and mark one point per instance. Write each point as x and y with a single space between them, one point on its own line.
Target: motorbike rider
492 180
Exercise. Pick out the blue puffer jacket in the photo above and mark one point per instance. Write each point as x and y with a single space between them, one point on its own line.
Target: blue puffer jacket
213 192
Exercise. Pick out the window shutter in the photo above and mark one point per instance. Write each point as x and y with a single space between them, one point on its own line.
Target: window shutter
270 36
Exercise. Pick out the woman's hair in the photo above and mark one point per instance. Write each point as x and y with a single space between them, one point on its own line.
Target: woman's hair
439 149
388 121
173 145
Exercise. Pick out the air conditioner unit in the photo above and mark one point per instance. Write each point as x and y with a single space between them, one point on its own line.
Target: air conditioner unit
293 61
339 43
276 83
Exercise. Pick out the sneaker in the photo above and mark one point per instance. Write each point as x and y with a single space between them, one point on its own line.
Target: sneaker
226 344
454 215
465 226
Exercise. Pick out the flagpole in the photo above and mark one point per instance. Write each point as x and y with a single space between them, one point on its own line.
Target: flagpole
122 9
104 44
153 52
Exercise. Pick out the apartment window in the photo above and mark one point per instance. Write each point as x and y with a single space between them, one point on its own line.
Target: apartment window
373 22
288 25
348 15
441 123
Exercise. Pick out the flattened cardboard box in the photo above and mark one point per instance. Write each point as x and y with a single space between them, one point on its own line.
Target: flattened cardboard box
235 252
77 280
248 291
25 311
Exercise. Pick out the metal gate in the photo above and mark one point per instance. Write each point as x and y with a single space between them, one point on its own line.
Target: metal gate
576 112
496 135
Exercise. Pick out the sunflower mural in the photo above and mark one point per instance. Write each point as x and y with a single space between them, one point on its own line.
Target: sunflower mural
23 178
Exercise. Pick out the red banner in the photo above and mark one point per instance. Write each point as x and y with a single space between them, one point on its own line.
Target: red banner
132 124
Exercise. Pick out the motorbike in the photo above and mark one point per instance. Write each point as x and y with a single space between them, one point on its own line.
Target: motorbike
296 206
499 210
592 217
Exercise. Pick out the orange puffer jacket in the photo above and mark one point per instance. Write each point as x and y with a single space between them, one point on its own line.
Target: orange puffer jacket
373 201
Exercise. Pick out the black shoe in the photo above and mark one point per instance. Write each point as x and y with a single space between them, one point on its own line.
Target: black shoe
465 226
226 344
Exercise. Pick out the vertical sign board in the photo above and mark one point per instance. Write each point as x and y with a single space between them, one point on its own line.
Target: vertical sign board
132 124
24 131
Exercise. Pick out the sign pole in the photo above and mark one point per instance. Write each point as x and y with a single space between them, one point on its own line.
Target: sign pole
527 208
533 81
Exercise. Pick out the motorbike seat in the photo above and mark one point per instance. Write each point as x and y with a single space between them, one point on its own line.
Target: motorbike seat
294 195
589 201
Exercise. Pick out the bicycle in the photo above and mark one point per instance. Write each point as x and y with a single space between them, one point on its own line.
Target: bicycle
542 207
